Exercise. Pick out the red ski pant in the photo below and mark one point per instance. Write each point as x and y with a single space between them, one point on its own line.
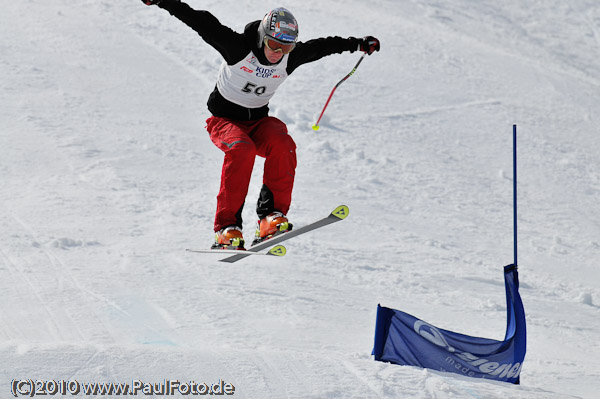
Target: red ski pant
242 141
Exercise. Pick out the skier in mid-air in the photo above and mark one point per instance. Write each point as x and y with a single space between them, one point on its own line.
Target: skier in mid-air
255 63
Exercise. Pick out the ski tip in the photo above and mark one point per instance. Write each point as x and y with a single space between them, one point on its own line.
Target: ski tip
278 250
341 212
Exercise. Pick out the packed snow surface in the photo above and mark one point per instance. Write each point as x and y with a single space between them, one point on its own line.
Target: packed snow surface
107 175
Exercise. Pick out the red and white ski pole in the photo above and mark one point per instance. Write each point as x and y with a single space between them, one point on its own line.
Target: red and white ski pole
316 125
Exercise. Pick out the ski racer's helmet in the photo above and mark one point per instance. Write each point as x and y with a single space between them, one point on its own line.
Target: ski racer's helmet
278 30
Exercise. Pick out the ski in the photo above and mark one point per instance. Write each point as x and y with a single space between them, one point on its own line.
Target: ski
278 250
339 213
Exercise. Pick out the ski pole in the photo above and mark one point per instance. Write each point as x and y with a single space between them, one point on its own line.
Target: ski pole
316 125
515 190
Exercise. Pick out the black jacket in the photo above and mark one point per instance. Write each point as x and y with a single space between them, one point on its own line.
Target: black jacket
235 46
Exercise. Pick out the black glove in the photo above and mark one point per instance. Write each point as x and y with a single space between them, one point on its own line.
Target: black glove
368 44
156 2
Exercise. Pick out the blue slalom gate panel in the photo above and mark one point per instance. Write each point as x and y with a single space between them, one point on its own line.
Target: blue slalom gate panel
403 339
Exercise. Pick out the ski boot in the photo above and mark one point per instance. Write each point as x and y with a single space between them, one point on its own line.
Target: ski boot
230 237
274 224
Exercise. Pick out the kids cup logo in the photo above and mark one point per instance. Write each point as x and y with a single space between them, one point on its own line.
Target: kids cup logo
264 72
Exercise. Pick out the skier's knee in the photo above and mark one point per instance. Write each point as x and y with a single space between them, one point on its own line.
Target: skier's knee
241 154
284 144
242 148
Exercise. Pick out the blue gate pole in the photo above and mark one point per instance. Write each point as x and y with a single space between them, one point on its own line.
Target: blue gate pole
515 189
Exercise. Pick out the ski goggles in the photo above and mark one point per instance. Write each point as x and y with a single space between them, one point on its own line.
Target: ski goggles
276 46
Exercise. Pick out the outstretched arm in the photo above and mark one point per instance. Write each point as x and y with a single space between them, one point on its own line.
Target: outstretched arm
316 49
219 36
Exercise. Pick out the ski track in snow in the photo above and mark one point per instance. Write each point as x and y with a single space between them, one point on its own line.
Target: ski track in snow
108 174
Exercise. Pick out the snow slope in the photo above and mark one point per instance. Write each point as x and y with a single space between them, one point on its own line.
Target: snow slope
108 174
